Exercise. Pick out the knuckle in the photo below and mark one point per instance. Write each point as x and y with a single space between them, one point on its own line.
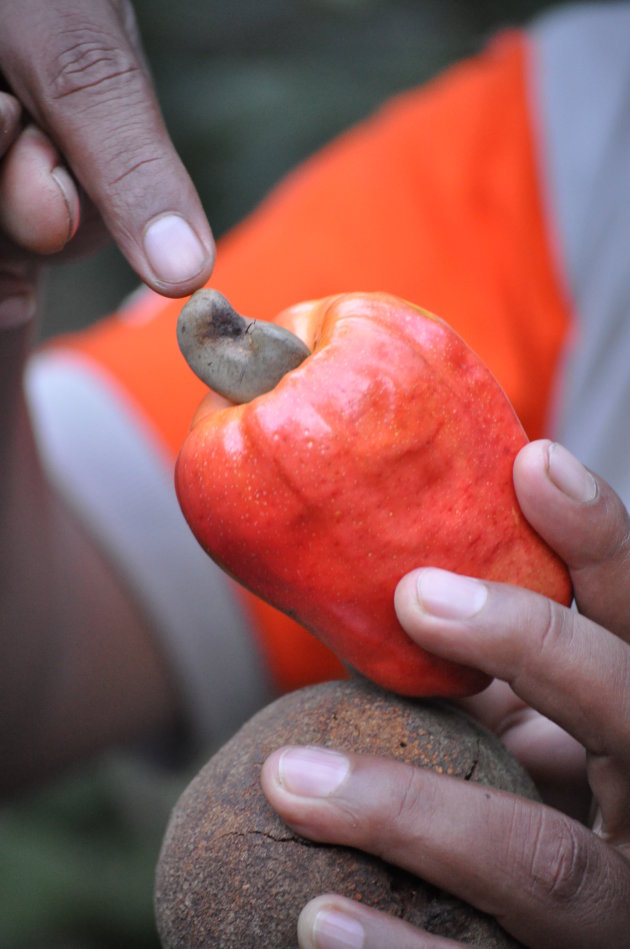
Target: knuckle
407 801
397 824
550 635
131 165
90 61
610 540
560 861
556 630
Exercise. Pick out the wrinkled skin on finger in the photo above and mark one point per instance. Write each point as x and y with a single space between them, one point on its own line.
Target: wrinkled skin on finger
553 875
77 69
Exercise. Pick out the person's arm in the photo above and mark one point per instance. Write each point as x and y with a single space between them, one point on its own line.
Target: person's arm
78 667
551 879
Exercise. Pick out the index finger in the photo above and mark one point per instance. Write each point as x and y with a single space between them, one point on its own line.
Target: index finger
74 66
561 663
568 668
586 523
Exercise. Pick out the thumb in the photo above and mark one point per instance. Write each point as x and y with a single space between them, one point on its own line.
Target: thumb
77 68
585 522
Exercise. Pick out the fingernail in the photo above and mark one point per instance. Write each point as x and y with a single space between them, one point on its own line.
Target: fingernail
312 772
449 595
173 250
570 475
17 310
335 930
69 193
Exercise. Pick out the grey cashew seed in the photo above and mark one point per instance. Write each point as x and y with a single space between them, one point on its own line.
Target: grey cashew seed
234 356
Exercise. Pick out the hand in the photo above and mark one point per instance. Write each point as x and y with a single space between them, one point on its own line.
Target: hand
95 143
562 703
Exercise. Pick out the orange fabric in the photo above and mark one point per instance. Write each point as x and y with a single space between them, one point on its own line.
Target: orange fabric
293 656
435 199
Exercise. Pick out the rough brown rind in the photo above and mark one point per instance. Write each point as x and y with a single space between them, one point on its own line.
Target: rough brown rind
232 875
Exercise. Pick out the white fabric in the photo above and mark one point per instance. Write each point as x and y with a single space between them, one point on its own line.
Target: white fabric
581 96
115 475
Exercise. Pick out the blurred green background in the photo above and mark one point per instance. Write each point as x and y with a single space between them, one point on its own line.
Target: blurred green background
248 89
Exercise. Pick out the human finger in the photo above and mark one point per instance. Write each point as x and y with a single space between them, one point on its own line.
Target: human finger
554 759
570 669
580 517
586 523
547 879
39 202
75 68
333 922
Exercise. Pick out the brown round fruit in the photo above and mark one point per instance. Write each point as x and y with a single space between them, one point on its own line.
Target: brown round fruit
232 875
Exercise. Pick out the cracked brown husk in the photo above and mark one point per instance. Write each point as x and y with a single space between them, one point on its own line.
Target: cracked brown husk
232 875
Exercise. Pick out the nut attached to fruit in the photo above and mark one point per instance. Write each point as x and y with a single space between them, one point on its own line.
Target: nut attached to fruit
237 357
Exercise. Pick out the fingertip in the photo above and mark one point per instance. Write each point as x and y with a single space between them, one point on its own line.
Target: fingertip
554 489
269 775
70 197
548 463
575 511
329 922
406 602
39 201
306 923
569 475
180 260
531 461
